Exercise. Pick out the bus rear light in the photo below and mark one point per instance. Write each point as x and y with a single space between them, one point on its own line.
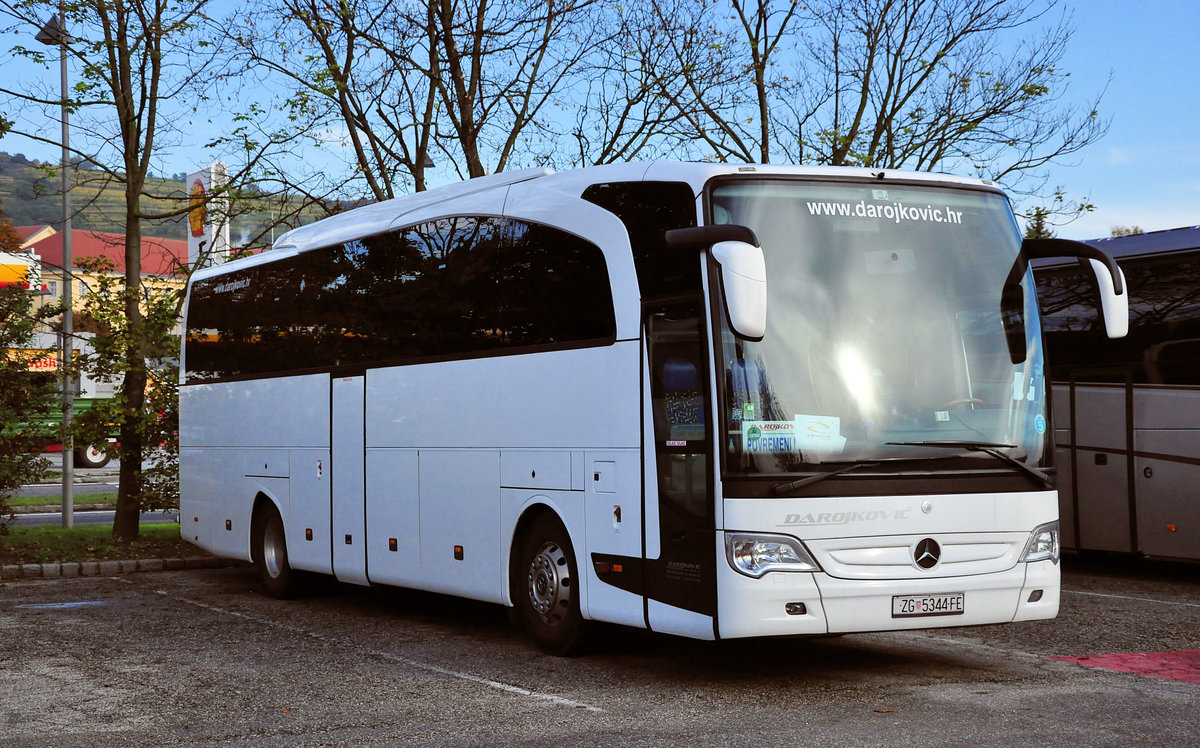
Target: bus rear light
1171 528
229 525
308 533
393 545
458 553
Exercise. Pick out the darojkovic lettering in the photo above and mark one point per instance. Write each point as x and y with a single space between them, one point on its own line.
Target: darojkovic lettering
843 518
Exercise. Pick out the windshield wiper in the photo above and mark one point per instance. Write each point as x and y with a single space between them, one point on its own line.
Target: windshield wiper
792 485
988 448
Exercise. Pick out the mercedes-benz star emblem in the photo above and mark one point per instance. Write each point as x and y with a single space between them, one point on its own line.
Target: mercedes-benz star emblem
927 553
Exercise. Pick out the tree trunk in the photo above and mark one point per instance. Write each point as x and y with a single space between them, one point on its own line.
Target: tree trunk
128 513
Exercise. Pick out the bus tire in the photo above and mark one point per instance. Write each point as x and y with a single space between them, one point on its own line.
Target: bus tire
546 589
90 456
271 558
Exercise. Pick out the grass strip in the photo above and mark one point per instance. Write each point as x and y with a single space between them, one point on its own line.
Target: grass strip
108 499
45 544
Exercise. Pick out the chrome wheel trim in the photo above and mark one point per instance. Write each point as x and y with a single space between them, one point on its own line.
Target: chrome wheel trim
550 583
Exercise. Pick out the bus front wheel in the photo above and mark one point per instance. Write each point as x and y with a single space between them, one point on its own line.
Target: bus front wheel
271 558
546 590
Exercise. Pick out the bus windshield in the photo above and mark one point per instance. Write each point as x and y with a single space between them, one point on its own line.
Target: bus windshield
884 333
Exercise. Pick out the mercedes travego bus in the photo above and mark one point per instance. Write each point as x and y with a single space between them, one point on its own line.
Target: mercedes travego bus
710 400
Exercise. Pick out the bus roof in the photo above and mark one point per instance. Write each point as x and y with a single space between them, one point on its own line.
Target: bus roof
1154 242
381 216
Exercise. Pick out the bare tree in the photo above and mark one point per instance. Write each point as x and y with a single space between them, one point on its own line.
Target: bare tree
349 81
462 82
926 84
967 85
724 66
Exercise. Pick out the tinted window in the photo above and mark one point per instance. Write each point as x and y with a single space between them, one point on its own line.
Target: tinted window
648 210
454 287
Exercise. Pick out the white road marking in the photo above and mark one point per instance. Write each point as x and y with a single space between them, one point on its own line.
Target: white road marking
1127 597
392 657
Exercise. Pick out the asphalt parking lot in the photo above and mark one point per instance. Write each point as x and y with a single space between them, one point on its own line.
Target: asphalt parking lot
201 657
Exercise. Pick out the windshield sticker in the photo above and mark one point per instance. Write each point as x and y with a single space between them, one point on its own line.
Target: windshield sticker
768 436
1039 423
895 212
748 412
820 434
812 435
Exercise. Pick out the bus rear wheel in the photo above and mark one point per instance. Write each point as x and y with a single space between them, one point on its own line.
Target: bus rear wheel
271 558
546 590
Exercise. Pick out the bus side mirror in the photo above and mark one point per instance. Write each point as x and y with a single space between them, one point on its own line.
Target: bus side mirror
1110 281
1114 304
1110 284
743 272
744 283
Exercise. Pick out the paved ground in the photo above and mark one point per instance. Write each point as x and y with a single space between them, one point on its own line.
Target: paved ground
200 657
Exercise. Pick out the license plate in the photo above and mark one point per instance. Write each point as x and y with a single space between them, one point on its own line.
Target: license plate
911 606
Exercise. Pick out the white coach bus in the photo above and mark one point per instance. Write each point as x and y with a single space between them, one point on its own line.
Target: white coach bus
710 400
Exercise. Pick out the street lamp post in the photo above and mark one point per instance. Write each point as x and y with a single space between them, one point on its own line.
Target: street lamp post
52 34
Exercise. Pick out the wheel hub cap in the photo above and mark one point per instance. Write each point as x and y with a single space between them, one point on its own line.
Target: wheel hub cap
549 583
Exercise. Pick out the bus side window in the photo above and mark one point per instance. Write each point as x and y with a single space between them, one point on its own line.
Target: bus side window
684 406
680 415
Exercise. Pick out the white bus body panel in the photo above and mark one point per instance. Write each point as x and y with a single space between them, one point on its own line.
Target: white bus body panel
438 477
240 439
349 481
864 548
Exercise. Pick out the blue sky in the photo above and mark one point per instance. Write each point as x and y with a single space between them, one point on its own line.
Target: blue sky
1145 172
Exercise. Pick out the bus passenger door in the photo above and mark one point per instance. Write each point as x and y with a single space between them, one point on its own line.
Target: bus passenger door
348 502
680 564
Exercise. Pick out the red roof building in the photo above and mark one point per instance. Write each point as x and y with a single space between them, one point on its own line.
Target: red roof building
159 256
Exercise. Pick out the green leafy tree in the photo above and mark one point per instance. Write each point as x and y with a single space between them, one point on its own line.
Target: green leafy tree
28 400
150 414
141 67
1037 224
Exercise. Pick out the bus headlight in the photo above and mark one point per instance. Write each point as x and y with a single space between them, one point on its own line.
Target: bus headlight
755 555
1043 544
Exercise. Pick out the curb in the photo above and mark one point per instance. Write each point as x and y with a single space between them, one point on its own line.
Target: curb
14 572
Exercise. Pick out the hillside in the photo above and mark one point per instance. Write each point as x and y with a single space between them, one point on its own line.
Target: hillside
29 197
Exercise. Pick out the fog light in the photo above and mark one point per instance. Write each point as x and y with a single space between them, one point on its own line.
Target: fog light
796 609
1035 596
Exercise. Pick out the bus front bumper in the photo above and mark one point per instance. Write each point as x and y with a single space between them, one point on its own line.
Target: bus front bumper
799 604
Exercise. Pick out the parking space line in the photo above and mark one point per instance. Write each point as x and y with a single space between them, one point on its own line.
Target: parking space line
392 657
1127 597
